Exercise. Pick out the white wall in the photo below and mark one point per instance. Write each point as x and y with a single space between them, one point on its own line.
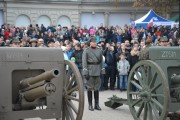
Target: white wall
22 20
64 21
119 19
45 20
1 18
90 19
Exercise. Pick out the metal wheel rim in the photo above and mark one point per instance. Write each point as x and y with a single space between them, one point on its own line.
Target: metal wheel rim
69 110
146 96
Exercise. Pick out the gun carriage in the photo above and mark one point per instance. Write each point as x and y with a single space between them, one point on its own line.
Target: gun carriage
153 85
39 83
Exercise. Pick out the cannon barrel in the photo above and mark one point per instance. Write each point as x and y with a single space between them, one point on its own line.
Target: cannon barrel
175 79
48 75
39 92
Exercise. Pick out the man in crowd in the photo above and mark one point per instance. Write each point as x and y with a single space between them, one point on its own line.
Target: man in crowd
2 43
178 42
92 69
163 41
15 42
144 53
77 54
110 61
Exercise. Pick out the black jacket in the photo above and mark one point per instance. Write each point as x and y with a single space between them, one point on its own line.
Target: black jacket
77 54
110 57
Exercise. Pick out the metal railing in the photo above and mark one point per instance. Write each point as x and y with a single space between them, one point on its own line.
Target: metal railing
89 1
107 0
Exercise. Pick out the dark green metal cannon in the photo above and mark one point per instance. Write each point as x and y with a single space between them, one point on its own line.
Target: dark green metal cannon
153 85
39 83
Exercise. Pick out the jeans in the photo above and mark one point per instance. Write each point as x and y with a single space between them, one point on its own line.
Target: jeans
123 82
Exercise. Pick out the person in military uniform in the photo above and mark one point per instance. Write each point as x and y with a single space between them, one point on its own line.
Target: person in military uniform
163 41
92 61
144 53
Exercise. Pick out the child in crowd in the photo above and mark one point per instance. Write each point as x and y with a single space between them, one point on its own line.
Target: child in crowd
123 69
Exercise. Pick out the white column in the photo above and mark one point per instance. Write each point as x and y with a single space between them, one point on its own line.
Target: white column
106 19
5 16
79 19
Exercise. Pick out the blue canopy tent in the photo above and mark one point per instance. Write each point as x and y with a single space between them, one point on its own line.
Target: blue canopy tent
152 17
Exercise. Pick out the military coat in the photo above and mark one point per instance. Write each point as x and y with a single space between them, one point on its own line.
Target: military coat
92 60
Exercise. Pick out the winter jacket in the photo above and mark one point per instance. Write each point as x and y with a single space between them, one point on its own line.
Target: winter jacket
78 56
123 67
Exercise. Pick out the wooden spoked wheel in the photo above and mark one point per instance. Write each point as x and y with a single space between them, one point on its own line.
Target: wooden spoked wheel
148 92
73 96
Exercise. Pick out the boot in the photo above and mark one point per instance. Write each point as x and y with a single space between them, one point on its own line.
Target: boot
89 94
96 97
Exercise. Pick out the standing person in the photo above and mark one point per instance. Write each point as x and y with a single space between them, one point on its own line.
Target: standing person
110 61
15 42
134 56
144 53
77 54
123 69
163 41
2 43
92 60
33 42
178 42
40 42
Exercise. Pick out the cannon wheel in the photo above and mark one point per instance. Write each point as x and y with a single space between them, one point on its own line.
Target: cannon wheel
148 92
73 96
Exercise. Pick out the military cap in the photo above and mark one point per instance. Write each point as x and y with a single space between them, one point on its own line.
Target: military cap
92 39
33 40
164 39
15 40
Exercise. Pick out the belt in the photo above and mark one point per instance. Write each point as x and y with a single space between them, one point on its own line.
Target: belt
94 63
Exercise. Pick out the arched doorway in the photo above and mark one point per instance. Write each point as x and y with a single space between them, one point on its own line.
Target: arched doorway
64 21
45 20
22 21
92 19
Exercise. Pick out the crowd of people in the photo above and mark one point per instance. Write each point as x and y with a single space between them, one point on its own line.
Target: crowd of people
120 46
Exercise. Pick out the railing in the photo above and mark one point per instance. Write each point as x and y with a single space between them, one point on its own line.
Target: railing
46 0
77 0
107 0
73 1
89 1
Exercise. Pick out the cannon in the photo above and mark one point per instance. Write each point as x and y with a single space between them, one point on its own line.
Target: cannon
39 83
153 86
